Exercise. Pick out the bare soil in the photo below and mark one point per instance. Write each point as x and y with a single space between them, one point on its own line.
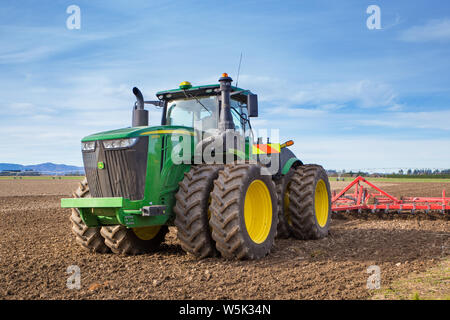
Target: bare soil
37 247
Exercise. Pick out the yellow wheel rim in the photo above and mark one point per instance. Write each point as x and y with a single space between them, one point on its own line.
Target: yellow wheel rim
258 211
321 203
286 212
146 233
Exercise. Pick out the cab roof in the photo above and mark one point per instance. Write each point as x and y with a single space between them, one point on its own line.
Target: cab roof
205 90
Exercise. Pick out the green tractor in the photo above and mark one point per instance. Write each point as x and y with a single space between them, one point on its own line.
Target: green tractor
202 171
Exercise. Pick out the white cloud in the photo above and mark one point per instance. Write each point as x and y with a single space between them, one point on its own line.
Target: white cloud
438 120
368 153
303 120
398 20
28 44
293 113
17 106
332 95
434 30
365 93
24 55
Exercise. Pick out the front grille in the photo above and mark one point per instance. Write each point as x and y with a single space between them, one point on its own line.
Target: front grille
90 167
123 174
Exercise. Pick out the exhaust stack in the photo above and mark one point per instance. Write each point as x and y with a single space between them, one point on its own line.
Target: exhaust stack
226 119
140 115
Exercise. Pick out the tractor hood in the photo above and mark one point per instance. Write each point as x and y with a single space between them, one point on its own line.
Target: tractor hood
132 132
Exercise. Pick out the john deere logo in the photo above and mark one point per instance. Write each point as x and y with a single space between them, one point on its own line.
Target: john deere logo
101 165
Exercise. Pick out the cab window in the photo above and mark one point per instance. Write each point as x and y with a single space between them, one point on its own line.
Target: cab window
239 123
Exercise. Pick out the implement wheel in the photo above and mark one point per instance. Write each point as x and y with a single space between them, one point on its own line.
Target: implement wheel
192 210
88 237
244 212
309 202
133 241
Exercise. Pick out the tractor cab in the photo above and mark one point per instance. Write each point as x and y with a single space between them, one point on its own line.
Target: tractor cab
200 107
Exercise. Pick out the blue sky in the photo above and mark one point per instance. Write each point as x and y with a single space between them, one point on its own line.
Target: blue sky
350 97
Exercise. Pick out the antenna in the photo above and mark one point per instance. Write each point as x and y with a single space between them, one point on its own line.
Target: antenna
239 70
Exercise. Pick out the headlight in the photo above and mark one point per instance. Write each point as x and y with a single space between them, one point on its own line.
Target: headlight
88 146
119 143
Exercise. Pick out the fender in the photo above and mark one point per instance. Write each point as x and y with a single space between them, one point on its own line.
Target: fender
287 160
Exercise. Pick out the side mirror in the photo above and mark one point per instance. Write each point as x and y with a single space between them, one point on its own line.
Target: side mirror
252 105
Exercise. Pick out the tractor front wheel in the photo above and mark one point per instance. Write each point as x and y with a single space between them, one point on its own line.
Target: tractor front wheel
88 237
133 241
244 212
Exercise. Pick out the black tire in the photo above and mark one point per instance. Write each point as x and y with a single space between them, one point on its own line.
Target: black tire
191 209
284 222
88 237
123 240
302 190
228 224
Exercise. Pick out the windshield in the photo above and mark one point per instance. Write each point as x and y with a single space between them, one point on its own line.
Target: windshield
203 111
189 111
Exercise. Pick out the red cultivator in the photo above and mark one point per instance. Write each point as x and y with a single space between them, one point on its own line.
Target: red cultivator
362 200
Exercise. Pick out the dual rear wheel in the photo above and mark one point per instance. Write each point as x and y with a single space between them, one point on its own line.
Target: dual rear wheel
229 210
304 203
244 212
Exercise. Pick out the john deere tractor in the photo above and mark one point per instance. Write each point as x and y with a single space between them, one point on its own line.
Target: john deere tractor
201 171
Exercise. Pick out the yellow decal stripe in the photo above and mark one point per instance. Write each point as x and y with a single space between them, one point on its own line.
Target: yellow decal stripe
176 131
266 148
276 147
256 150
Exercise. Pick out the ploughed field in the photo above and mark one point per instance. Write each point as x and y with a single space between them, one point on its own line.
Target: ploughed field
37 247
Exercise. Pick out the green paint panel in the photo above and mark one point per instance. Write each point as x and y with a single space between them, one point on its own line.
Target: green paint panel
96 217
88 218
134 221
129 132
92 202
102 221
104 212
163 175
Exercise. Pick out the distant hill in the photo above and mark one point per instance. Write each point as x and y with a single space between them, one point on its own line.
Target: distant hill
44 168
